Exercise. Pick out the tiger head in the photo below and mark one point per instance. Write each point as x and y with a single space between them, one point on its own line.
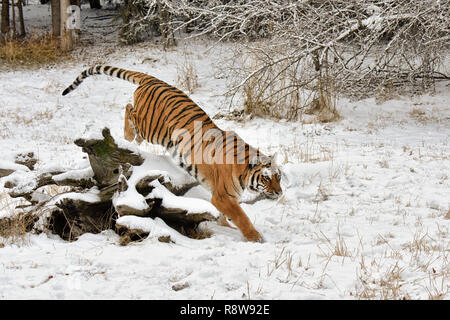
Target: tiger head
264 177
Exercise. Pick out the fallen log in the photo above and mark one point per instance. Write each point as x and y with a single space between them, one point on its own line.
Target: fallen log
5 172
119 181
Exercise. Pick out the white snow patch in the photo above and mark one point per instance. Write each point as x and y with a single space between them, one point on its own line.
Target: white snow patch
191 205
12 166
79 174
155 227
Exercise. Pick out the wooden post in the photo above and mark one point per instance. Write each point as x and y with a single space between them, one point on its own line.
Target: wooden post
13 19
66 34
56 17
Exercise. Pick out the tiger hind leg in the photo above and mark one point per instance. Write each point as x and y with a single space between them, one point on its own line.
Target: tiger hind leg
129 128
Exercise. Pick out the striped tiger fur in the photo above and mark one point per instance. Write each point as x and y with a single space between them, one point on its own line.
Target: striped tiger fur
220 160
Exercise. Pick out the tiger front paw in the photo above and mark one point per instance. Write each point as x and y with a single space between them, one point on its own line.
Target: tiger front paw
254 236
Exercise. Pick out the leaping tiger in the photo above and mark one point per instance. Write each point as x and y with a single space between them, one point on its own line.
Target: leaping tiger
220 160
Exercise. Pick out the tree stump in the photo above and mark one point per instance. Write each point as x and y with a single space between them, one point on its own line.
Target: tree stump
106 158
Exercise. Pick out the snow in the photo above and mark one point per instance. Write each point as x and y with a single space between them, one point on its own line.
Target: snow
79 174
4 164
191 205
130 198
90 196
159 166
365 210
155 165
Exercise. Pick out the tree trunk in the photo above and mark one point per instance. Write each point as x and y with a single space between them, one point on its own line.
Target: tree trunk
13 19
66 34
5 17
56 17
21 20
166 30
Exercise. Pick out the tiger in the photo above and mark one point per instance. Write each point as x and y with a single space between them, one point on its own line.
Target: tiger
219 160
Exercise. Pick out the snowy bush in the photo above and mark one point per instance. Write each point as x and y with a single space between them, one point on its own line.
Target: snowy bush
296 56
145 19
319 49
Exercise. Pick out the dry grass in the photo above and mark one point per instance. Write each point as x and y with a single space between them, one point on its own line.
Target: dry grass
14 227
266 100
338 248
19 117
283 260
187 77
388 276
447 214
423 117
385 285
18 223
294 92
323 106
416 113
14 230
35 50
256 106
436 288
5 131
307 151
378 281
386 91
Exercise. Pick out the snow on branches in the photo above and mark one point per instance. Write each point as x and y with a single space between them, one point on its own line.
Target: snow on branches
295 56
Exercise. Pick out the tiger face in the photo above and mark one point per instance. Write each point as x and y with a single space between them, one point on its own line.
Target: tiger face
271 177
265 179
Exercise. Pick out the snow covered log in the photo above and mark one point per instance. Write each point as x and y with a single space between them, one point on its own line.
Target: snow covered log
5 172
20 161
119 181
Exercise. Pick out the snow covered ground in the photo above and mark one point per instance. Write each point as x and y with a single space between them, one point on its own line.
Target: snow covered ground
365 211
